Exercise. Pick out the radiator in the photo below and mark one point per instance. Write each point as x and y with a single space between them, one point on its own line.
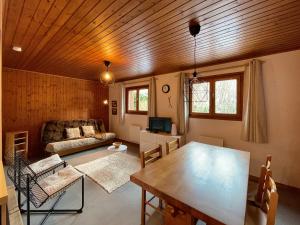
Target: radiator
134 133
210 140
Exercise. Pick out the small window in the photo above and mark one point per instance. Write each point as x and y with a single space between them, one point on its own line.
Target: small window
218 97
137 100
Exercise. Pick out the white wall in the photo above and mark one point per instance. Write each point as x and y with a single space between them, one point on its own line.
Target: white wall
282 87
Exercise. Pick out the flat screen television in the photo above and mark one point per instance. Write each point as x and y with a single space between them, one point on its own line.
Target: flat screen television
160 124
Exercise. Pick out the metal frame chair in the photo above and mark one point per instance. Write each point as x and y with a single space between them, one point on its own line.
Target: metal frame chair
28 183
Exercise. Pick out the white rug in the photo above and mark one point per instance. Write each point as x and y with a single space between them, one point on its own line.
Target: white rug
112 171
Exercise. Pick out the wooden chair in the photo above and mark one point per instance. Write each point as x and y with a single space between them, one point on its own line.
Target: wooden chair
266 168
148 157
172 145
266 213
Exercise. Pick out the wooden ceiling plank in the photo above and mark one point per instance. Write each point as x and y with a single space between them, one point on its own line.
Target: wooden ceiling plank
61 18
14 12
224 28
38 18
80 30
57 52
175 12
124 48
184 29
186 35
118 16
45 27
106 15
76 18
30 8
226 35
144 39
253 39
204 50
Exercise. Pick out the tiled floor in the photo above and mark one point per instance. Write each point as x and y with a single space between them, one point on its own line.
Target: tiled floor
122 207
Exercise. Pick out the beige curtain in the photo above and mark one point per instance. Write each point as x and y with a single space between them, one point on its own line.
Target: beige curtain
254 127
152 97
183 104
122 103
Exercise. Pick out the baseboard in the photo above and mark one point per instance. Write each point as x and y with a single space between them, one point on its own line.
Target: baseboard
279 185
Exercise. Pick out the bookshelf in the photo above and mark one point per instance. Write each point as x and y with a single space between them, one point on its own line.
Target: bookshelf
16 141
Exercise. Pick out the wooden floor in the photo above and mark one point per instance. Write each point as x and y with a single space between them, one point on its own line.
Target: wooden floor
123 205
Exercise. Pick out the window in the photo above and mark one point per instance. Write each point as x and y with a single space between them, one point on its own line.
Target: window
137 100
218 97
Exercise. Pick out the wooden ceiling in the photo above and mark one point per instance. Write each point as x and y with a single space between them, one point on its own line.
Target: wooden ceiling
73 37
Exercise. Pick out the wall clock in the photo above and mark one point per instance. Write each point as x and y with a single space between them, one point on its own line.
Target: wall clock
165 88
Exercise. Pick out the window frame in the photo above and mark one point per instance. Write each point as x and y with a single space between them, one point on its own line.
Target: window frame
239 76
137 88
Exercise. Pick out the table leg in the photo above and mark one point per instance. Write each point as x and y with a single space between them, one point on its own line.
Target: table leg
3 214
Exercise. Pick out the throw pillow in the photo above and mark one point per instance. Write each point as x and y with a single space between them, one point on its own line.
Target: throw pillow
88 131
73 133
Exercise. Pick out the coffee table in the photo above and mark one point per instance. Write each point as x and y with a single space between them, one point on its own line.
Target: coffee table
122 148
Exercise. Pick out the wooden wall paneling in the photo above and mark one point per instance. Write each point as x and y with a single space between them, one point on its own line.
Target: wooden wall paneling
30 99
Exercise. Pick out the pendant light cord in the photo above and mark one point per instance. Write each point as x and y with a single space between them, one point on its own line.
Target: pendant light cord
195 47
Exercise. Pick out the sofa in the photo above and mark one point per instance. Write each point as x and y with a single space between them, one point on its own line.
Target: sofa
54 138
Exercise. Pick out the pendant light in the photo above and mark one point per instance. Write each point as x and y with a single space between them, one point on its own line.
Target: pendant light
194 28
199 92
107 77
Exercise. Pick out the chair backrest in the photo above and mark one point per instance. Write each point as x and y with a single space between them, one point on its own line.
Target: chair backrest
150 156
172 145
262 179
268 162
270 199
23 177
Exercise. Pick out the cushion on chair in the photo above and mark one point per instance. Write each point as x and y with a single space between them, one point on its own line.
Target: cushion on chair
255 216
45 164
56 182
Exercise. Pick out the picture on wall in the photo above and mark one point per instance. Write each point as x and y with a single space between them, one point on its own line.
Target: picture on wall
114 103
114 111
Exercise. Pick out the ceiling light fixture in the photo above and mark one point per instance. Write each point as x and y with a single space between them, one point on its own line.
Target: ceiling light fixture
199 91
194 28
17 48
107 77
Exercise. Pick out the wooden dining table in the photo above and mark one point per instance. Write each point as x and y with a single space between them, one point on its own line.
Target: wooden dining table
199 181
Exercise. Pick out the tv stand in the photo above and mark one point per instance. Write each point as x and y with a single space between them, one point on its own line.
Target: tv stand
150 140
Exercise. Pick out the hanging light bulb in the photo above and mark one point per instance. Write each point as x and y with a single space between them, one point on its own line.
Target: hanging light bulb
107 77
195 78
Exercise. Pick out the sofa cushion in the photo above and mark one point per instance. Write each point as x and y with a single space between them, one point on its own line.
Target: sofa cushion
88 131
73 133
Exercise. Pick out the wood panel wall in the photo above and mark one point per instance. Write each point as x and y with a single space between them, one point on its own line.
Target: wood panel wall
30 99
